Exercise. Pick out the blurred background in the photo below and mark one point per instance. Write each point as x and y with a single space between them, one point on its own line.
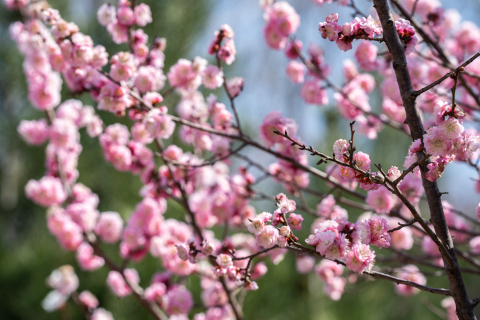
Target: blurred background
28 253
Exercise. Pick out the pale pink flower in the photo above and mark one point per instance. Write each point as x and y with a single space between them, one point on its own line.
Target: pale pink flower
274 121
450 129
374 231
304 264
109 226
118 31
63 279
393 110
295 221
369 126
313 92
435 143
88 299
381 200
125 15
212 77
326 239
449 304
86 259
410 272
296 71
339 149
155 291
257 225
46 192
267 238
401 239
34 132
178 301
183 76
149 78
360 258
143 14
102 314
227 52
159 124
475 245
366 55
224 260
235 86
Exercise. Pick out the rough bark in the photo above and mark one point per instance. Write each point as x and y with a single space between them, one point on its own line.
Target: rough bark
465 309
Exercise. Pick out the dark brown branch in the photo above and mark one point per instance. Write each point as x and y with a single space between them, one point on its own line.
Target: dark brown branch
397 51
237 310
375 274
448 75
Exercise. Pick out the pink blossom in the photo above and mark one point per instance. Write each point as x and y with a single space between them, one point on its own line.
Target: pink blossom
312 92
295 221
88 299
330 28
257 225
227 52
410 273
304 264
114 98
330 272
34 132
46 192
109 226
449 304
374 231
117 283
149 78
475 245
125 15
326 239
83 214
381 200
182 75
235 86
86 259
366 55
393 110
353 103
360 258
212 77
63 280
44 92
224 260
401 239
369 126
435 143
101 314
118 31
274 121
106 14
407 34
178 301
267 238
429 247
143 14
293 48
296 71
450 129
155 291
159 124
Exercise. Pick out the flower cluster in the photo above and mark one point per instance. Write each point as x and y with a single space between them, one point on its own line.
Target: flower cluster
344 35
282 21
446 141
119 20
224 48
